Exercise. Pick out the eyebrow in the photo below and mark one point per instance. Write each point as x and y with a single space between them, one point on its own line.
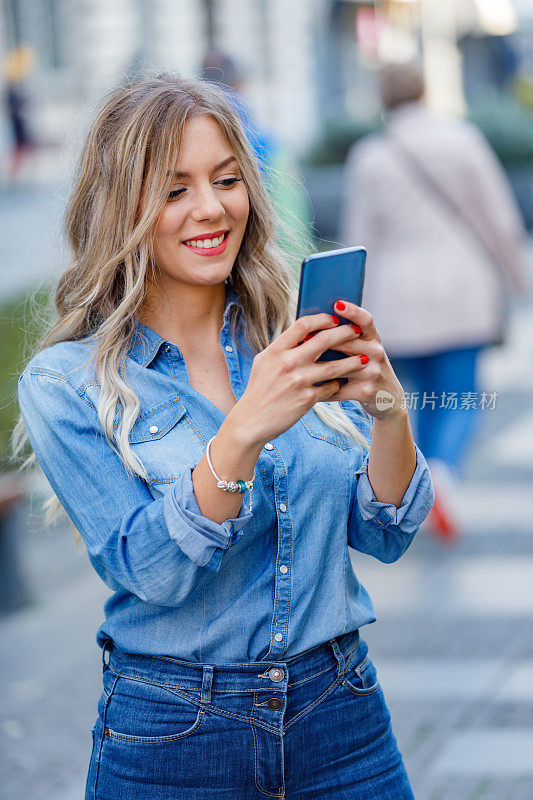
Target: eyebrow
225 163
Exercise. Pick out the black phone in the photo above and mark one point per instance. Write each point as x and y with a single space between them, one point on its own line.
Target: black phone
328 277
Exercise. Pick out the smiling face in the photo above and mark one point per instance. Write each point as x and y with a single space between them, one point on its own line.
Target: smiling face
201 227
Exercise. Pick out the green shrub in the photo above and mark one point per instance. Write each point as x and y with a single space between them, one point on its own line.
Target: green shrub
19 332
508 126
337 137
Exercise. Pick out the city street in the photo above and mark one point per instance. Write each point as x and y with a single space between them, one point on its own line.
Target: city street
453 643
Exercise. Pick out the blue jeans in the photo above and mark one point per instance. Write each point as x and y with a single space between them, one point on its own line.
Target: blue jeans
315 726
441 432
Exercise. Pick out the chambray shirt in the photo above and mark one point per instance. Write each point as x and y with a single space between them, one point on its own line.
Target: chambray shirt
264 585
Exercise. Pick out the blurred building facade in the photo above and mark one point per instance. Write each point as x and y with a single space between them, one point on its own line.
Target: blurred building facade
305 60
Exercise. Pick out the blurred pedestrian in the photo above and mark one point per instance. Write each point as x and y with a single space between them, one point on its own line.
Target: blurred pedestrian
17 66
431 203
174 382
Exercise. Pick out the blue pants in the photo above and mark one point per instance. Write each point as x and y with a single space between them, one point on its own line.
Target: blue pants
441 432
313 727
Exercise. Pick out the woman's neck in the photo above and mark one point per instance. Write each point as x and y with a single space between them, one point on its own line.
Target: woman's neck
191 319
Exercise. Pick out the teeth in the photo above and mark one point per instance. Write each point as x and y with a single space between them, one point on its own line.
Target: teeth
205 243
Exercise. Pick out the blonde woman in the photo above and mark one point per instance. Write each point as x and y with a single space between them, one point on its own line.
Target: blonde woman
172 408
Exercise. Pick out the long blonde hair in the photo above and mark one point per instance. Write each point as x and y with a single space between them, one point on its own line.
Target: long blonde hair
127 153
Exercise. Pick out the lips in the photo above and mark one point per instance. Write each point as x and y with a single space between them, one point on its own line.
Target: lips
211 244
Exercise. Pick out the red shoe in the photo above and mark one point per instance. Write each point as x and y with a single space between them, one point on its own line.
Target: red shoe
441 523
444 517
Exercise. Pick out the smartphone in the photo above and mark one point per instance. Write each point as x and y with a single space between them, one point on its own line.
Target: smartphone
328 277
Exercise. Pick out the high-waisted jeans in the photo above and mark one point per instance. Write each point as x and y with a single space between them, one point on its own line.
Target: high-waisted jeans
313 727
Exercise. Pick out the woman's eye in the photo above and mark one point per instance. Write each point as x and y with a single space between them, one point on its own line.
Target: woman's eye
175 193
227 182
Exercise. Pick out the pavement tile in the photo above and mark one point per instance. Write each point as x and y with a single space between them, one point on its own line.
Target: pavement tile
440 680
488 752
518 684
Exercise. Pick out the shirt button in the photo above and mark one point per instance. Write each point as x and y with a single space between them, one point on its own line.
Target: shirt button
278 637
282 507
269 446
283 569
153 429
276 674
229 349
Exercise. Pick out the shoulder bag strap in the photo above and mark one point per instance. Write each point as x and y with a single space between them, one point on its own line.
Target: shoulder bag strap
437 190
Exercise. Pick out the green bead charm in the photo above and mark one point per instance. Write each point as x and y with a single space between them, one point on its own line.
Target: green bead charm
242 486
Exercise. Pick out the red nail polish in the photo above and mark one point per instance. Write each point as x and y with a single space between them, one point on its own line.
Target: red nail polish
364 359
336 320
340 306
309 336
356 328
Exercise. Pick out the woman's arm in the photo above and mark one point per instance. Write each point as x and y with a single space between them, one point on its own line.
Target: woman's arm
392 458
394 490
377 526
158 549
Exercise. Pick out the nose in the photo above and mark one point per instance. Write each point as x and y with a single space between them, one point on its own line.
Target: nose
207 205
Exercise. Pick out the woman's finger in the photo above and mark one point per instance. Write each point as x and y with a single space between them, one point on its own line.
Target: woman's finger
360 316
341 368
317 342
300 328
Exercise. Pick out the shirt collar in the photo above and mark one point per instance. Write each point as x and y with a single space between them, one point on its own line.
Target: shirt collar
146 342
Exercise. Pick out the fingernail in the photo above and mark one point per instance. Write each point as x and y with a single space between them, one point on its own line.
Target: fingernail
336 320
356 328
364 359
309 336
340 306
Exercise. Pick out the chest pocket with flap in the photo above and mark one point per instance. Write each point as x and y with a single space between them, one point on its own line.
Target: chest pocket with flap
166 440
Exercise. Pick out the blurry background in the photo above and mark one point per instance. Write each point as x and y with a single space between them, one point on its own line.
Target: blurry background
457 672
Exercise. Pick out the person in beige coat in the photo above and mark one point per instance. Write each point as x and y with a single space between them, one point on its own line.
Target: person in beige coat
445 240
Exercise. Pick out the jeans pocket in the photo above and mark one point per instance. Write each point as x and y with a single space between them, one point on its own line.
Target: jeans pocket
362 679
141 711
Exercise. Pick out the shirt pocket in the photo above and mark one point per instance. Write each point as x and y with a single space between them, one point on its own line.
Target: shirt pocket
167 441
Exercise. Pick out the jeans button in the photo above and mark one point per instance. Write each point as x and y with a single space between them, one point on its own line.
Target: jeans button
276 674
274 703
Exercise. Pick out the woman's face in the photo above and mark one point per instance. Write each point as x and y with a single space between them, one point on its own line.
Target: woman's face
200 229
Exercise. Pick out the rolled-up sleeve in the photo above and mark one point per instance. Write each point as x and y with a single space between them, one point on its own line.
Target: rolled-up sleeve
158 549
200 538
382 529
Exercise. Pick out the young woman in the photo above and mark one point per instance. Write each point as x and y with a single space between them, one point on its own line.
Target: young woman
173 386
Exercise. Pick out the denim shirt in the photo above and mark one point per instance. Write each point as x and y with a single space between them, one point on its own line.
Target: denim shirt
265 585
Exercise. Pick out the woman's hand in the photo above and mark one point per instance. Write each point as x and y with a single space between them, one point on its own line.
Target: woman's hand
372 382
280 389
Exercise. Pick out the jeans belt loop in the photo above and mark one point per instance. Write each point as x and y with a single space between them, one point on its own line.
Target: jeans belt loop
207 682
338 655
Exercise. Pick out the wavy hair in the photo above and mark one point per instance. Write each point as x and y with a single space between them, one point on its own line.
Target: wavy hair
126 155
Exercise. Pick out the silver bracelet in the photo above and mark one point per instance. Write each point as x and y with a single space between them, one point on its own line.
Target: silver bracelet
230 486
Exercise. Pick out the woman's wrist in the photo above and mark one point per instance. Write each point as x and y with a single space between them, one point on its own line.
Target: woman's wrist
243 430
233 459
392 458
394 417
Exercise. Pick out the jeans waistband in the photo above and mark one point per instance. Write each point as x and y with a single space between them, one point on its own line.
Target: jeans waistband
337 653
